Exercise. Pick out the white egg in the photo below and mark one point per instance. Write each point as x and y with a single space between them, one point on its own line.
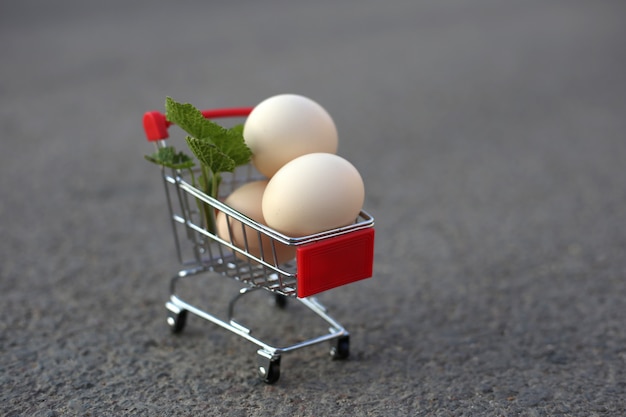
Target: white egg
247 200
286 126
313 193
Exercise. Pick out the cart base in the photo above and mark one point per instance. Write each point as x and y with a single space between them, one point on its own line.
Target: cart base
268 355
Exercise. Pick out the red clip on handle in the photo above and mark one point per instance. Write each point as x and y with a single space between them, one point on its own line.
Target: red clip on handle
155 124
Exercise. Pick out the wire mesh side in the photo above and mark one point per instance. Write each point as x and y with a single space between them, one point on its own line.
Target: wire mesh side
198 246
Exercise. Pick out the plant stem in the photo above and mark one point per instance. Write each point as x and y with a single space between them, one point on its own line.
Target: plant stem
193 178
214 186
208 181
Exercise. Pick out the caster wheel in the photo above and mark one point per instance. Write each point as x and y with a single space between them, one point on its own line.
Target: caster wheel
268 368
280 301
340 348
177 321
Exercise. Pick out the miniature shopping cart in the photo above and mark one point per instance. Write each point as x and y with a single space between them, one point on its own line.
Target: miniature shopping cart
323 261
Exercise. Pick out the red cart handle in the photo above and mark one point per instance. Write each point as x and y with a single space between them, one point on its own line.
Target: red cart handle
155 124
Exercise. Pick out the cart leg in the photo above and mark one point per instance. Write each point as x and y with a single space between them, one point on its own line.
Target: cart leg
268 366
340 347
176 317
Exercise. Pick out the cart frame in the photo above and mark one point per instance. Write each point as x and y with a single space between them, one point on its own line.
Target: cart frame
323 261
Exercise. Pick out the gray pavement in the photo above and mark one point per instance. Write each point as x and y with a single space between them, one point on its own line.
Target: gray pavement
491 138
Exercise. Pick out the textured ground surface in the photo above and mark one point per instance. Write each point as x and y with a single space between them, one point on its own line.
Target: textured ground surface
491 138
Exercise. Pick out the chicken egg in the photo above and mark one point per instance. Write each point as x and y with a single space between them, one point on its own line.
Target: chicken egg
313 193
247 199
286 126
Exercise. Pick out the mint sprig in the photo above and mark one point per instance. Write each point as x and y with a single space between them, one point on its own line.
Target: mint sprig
218 149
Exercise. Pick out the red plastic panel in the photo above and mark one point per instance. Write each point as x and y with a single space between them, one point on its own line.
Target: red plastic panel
333 262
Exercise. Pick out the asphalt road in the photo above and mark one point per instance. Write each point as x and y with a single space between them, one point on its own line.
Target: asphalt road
491 139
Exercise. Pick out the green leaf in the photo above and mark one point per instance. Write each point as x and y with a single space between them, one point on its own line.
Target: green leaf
233 144
230 142
237 129
191 120
168 157
210 155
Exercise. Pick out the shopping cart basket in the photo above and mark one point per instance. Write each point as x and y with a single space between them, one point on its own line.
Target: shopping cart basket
323 261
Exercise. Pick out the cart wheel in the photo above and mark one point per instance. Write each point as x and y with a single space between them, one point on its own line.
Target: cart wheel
340 348
280 300
177 321
268 367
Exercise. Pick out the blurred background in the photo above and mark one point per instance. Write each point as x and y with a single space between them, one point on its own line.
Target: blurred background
490 136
